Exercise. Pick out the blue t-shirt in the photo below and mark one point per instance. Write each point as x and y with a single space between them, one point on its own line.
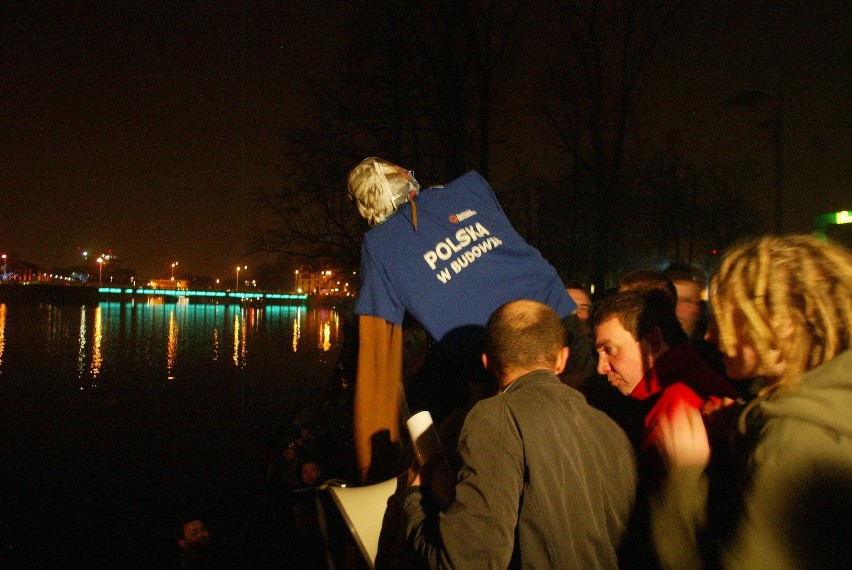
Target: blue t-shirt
463 262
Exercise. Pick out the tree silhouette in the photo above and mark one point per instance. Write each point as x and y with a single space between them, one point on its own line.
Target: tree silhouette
604 49
418 88
441 86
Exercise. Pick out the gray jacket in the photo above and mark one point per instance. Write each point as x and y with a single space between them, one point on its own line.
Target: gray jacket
547 482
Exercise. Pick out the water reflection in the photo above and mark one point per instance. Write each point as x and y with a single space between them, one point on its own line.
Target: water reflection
171 346
297 329
238 322
97 357
107 406
81 351
326 336
2 334
98 346
215 344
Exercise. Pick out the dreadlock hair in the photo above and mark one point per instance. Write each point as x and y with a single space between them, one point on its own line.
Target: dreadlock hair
793 295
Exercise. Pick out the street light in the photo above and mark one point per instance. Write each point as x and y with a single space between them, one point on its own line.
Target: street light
100 261
238 276
173 270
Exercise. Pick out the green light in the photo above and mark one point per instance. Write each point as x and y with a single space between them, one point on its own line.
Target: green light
187 293
822 222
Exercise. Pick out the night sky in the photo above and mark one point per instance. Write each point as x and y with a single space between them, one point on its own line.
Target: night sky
148 128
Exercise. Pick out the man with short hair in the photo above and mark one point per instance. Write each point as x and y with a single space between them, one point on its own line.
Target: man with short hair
583 301
644 352
194 544
689 282
645 280
546 481
582 362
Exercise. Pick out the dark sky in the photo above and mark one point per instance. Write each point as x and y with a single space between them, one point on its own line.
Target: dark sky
128 126
799 49
147 127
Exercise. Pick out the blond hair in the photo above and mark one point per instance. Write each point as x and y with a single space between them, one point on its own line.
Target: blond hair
789 297
379 187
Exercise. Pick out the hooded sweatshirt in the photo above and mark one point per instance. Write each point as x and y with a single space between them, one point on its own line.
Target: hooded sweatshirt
782 498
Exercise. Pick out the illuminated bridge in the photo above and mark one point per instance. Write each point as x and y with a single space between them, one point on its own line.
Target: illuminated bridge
206 296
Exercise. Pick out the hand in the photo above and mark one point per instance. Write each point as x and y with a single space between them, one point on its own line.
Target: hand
435 478
719 413
682 439
413 475
714 404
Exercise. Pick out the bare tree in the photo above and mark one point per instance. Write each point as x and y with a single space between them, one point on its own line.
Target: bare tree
602 51
312 220
683 211
417 88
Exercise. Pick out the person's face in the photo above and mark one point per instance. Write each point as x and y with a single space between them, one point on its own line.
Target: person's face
623 359
195 534
310 473
744 363
688 308
584 303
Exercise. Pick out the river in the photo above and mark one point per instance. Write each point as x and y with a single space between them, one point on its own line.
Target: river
119 419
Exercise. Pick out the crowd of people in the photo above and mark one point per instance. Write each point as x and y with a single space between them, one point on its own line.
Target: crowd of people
732 398
666 423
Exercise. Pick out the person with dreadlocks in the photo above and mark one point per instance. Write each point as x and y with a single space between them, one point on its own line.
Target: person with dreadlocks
777 491
446 255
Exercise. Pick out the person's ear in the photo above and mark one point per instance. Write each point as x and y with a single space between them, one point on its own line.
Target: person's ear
654 338
485 361
561 359
783 326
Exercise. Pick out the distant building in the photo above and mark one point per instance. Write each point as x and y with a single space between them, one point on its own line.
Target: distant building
202 282
330 282
168 284
15 271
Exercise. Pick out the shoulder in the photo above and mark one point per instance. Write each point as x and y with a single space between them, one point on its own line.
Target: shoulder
534 389
470 182
470 177
792 439
541 394
680 393
672 396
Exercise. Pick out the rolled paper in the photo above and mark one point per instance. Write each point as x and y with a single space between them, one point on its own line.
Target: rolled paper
424 437
418 423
